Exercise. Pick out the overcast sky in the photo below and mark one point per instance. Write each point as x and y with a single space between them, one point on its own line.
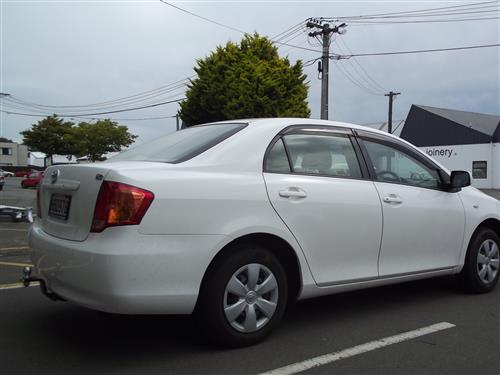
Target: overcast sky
79 52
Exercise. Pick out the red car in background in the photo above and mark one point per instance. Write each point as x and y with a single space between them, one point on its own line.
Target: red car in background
23 173
32 180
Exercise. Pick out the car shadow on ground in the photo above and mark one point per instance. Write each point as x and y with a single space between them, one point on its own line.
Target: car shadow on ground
105 336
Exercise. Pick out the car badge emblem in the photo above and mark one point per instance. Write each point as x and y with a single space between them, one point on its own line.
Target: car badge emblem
54 175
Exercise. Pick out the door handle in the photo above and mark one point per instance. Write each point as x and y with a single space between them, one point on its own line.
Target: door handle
392 198
293 192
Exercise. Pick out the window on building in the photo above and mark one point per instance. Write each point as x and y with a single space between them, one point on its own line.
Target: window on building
479 169
6 150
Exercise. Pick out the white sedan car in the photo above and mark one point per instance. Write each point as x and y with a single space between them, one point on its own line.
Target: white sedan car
5 173
235 220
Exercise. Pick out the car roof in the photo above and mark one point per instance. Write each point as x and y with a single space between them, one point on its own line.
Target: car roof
289 121
274 123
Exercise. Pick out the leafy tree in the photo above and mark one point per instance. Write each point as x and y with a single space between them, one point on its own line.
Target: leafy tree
52 136
246 80
3 139
94 140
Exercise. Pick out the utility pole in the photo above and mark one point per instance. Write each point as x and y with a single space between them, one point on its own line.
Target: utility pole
391 96
326 33
2 95
177 122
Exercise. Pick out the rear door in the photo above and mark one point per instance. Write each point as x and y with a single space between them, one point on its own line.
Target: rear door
318 187
423 223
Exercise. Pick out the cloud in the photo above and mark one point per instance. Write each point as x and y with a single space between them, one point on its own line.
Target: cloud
77 53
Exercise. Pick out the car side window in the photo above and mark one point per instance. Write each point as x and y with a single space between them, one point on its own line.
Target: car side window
393 165
326 155
277 161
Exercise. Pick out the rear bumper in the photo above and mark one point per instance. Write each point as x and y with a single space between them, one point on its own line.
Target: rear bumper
123 271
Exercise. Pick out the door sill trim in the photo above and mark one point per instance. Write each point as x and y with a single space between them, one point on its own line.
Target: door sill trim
388 277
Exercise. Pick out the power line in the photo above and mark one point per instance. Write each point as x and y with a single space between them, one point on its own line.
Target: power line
416 51
203 18
108 112
357 83
423 15
89 118
298 26
362 73
468 6
144 101
364 23
375 83
232 28
145 95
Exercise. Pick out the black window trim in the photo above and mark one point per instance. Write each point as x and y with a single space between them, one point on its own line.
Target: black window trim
362 135
324 130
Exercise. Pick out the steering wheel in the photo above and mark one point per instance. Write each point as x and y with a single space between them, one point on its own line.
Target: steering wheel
393 176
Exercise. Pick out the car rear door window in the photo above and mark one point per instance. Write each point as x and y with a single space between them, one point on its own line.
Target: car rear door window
277 161
324 155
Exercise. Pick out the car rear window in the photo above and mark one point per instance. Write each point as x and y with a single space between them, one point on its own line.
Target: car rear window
182 145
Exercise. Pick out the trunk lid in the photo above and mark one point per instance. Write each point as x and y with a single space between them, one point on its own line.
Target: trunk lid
72 190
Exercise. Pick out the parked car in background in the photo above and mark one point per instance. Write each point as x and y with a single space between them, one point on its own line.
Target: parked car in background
234 221
2 182
33 180
23 173
5 173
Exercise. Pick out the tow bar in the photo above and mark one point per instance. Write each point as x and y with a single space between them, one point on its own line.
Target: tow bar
17 214
26 279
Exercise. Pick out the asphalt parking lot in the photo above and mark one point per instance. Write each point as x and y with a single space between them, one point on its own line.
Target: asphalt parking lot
38 336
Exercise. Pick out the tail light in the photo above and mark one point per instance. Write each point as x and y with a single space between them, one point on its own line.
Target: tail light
38 203
120 204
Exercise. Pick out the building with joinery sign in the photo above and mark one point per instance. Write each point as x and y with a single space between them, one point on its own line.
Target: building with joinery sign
458 140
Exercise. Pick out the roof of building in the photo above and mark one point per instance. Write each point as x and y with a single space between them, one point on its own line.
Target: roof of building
430 126
397 126
481 122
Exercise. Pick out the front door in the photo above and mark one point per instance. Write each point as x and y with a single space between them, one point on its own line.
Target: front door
423 224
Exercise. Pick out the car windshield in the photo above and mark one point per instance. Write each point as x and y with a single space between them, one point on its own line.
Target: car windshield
180 146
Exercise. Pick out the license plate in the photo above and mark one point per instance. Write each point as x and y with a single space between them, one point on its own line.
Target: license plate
59 206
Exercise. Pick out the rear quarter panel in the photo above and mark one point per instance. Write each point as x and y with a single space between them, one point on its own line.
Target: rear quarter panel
200 202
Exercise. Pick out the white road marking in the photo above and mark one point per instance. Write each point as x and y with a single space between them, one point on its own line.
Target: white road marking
17 285
13 248
356 350
15 264
15 230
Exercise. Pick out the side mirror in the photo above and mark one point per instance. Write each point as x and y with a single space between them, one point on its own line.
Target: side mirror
459 179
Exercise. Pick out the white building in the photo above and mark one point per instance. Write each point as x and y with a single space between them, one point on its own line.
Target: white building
13 154
37 159
459 140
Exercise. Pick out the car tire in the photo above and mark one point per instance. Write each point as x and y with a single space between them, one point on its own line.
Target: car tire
481 268
23 186
243 298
